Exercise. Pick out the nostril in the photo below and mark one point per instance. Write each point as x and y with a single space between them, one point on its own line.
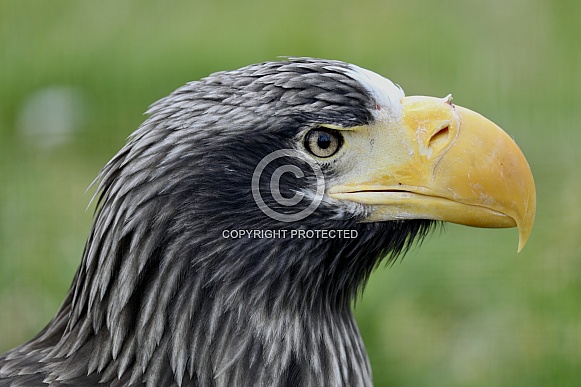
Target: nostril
440 136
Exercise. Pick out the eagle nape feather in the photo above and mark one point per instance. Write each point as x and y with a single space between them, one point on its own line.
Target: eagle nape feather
241 220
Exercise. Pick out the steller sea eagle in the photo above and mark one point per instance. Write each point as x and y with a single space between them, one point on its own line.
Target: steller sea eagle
234 230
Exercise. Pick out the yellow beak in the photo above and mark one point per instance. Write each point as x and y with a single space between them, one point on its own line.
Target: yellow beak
448 163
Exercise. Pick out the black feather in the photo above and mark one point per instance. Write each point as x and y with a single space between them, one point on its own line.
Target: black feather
163 299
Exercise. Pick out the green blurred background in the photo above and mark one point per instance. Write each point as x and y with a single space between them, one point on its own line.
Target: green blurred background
462 310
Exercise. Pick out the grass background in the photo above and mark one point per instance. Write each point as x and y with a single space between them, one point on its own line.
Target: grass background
462 310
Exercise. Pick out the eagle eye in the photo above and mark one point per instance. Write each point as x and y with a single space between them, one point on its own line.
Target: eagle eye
323 142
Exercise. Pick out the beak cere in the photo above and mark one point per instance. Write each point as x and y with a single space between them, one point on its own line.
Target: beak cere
444 162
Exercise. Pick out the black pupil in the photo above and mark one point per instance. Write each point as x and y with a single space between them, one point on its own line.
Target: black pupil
324 140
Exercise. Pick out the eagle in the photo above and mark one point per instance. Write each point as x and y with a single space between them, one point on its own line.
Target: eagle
240 222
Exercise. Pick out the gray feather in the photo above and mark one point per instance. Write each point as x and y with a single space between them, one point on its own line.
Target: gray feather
161 299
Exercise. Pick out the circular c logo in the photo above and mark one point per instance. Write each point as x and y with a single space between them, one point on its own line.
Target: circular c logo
275 187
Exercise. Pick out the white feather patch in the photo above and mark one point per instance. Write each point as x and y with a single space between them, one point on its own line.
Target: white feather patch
387 94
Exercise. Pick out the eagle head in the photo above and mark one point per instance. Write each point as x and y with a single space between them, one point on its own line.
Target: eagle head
236 227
